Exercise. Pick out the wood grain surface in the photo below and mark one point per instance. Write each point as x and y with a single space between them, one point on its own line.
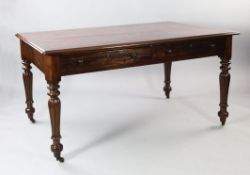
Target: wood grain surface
50 42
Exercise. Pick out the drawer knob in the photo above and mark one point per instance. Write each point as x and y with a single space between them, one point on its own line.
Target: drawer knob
212 45
80 61
169 50
191 45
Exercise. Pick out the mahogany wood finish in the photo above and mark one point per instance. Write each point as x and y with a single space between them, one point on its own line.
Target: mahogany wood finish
27 80
167 69
67 52
54 110
225 80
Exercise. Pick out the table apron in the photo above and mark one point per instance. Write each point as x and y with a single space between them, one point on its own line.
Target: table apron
139 56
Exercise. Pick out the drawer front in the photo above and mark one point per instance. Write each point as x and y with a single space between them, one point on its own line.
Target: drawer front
188 49
90 59
104 60
152 54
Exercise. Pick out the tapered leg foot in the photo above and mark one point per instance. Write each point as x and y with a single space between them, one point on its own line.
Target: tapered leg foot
224 87
31 118
27 80
167 70
60 159
54 109
57 148
223 117
167 91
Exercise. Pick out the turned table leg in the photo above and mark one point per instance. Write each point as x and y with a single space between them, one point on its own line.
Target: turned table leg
27 80
54 109
224 86
167 70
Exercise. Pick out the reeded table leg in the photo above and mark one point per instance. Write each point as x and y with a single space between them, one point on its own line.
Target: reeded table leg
54 109
224 86
167 69
27 80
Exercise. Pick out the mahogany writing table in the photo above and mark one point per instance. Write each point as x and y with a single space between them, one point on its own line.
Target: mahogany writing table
68 52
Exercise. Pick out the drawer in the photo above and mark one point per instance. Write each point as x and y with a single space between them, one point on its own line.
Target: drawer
188 49
89 59
110 59
73 64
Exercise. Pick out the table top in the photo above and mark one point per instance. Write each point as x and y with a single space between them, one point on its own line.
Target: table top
86 39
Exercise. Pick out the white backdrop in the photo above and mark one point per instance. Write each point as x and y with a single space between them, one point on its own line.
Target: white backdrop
195 85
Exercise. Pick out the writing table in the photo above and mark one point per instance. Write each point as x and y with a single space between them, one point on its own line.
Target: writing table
68 52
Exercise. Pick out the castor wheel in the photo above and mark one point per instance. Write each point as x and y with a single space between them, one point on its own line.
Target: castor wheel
32 120
60 159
